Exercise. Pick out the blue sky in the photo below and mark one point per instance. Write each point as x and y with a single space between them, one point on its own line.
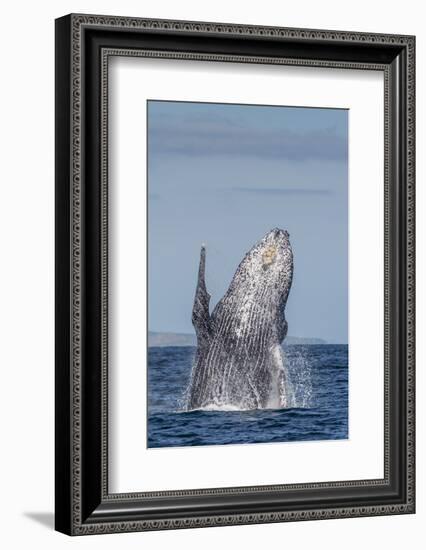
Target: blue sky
224 175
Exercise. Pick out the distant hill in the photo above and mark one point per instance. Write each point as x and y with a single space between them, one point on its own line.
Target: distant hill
301 341
159 339
175 339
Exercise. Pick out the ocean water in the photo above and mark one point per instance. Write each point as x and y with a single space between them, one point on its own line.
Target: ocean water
319 375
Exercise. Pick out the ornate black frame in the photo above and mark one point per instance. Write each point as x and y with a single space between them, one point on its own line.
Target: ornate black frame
83 46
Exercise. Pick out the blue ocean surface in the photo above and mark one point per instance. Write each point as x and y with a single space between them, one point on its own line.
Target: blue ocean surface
319 375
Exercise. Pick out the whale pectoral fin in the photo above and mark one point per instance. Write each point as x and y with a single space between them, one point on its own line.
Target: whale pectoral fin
282 330
200 312
282 393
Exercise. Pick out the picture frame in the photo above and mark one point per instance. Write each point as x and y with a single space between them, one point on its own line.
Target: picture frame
83 503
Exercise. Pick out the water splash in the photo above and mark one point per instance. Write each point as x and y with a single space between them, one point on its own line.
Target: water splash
300 367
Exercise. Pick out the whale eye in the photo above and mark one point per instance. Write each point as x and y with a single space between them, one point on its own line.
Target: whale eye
269 256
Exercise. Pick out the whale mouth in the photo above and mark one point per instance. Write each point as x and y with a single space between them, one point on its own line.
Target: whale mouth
278 235
280 232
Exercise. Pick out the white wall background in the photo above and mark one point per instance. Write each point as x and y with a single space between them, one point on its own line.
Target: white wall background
27 281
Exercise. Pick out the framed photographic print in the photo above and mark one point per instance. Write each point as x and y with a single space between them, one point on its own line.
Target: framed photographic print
234 274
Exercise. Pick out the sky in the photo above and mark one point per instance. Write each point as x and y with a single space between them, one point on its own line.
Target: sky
223 175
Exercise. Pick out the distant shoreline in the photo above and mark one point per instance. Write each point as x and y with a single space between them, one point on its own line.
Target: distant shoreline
175 339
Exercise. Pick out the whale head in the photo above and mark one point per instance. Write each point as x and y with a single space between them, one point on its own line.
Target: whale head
258 293
267 268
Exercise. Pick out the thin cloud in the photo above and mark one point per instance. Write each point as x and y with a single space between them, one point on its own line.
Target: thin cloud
206 136
295 191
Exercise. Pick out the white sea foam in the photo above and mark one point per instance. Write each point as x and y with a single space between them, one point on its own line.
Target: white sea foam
219 408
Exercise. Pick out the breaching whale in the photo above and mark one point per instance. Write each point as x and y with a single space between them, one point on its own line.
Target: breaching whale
239 362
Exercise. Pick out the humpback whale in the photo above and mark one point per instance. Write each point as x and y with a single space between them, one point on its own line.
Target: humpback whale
239 362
